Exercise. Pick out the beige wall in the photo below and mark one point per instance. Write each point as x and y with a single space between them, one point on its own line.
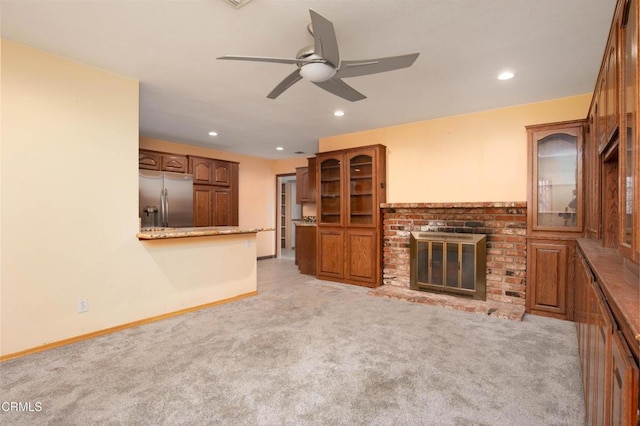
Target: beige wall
257 188
464 158
69 179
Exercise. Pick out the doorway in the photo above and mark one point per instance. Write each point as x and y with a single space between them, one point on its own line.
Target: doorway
287 213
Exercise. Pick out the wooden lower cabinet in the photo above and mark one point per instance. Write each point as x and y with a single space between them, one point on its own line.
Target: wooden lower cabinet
362 254
348 255
609 371
550 264
214 206
624 383
306 249
330 259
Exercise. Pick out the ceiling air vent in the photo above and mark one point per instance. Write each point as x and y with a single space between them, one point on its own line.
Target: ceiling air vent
237 3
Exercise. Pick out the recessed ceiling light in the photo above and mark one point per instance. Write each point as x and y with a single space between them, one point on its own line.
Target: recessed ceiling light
212 133
279 148
506 75
338 113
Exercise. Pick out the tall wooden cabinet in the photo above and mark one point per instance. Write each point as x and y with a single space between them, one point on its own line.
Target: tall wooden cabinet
607 274
215 191
554 215
350 185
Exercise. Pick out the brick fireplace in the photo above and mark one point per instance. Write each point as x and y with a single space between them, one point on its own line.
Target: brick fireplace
504 224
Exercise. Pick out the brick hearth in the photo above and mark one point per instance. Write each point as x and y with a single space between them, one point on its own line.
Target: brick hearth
505 225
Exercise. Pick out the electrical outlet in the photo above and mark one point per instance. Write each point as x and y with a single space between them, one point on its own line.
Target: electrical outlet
83 305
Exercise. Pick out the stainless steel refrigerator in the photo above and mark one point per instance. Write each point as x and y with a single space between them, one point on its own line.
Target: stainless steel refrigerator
166 199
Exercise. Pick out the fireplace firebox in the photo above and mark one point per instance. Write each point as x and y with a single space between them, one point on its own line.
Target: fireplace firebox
449 263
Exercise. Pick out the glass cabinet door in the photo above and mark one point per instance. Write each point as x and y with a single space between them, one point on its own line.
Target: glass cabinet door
557 186
629 140
361 197
330 196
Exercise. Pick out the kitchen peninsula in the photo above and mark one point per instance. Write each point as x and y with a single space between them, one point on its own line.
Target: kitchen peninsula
201 231
201 266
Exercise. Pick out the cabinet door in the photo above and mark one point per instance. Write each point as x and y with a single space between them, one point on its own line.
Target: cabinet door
556 178
202 205
601 328
624 384
330 253
312 179
221 173
306 249
302 185
611 94
149 160
629 150
330 179
202 170
362 205
174 163
583 281
547 278
221 206
362 256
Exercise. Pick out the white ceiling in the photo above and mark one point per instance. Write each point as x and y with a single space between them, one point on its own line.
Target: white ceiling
554 46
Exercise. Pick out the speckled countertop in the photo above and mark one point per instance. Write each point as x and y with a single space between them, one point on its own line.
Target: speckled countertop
298 223
205 231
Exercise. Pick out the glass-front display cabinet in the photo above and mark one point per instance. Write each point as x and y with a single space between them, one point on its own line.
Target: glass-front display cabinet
555 173
629 220
330 191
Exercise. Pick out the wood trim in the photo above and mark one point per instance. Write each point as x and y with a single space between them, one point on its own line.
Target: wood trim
121 327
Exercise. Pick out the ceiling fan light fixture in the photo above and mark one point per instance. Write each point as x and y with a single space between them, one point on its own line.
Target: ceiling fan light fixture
317 72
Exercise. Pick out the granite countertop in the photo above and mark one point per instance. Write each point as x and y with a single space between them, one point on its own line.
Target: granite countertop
204 231
300 223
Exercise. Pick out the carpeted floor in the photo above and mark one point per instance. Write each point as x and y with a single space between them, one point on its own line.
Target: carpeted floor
306 351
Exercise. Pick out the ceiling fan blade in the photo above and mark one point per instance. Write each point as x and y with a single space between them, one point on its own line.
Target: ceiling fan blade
374 66
324 37
264 59
289 81
342 89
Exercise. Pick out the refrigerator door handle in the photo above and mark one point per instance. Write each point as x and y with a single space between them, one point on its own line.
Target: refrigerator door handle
166 207
161 221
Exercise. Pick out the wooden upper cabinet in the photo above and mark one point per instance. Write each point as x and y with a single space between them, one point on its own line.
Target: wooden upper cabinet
611 92
306 183
221 173
629 155
201 169
555 189
302 185
351 186
149 160
174 163
162 161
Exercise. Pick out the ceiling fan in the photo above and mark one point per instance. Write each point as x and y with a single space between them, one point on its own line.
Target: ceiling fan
321 63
